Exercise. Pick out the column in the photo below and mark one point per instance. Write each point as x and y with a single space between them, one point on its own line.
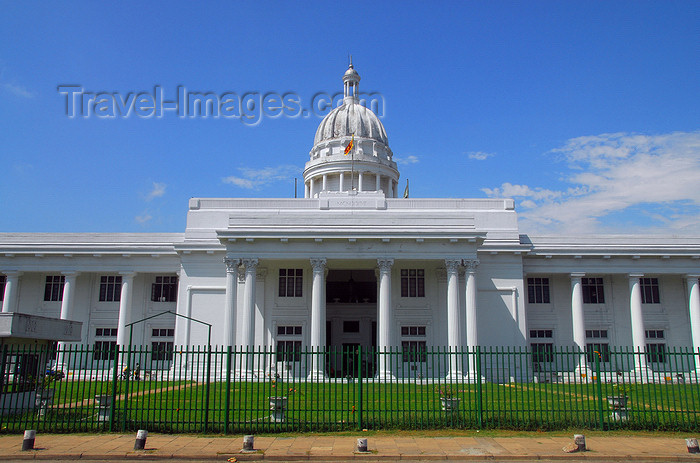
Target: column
66 314
694 308
311 188
472 340
454 341
577 319
637 318
231 294
359 181
318 319
325 182
125 307
306 190
9 301
385 318
378 185
248 318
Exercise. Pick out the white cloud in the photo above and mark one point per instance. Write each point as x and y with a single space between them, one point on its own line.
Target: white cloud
18 91
254 179
479 155
157 191
407 160
618 183
143 218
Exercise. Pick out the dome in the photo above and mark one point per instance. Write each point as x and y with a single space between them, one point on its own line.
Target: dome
351 118
351 151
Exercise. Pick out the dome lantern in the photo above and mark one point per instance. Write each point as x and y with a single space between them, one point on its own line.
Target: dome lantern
351 82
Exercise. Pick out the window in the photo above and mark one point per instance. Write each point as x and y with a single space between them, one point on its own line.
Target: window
164 289
3 280
592 289
162 332
162 350
291 282
351 326
288 343
413 343
110 288
288 351
53 291
413 282
650 290
105 342
599 344
538 290
542 351
656 346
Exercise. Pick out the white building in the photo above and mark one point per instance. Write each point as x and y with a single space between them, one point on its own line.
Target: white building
353 263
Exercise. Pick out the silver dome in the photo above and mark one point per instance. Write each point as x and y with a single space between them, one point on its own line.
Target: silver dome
351 118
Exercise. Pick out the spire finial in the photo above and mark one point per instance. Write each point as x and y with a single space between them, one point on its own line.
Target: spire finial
350 59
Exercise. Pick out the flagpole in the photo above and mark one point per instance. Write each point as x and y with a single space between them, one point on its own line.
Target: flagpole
352 165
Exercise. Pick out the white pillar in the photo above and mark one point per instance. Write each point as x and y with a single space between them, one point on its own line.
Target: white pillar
454 341
125 307
378 182
637 319
341 185
306 190
311 188
390 193
578 322
240 303
359 181
472 337
385 319
694 307
318 318
325 181
66 313
231 294
248 319
9 300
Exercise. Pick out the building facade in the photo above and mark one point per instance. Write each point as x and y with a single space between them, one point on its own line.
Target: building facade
353 264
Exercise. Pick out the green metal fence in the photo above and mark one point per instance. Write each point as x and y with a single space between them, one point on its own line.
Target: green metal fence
224 390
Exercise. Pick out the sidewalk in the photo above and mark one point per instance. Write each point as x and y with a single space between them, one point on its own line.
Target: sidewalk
342 448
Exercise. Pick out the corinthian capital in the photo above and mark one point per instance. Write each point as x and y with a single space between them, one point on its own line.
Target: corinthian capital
385 264
471 264
318 264
231 264
452 265
251 265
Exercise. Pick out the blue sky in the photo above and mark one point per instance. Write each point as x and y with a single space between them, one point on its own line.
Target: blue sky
587 113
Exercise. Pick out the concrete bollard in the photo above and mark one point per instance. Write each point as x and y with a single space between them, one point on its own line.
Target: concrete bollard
580 441
141 436
248 442
362 444
692 445
30 437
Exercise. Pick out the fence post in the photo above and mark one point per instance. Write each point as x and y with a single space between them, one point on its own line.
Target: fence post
3 361
479 403
206 389
227 420
359 386
115 378
599 389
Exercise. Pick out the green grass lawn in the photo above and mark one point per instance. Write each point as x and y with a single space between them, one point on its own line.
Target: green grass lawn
179 406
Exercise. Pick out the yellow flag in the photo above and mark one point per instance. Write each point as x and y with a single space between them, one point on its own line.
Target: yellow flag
350 145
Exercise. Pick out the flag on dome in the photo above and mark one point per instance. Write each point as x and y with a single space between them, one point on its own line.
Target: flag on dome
350 145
